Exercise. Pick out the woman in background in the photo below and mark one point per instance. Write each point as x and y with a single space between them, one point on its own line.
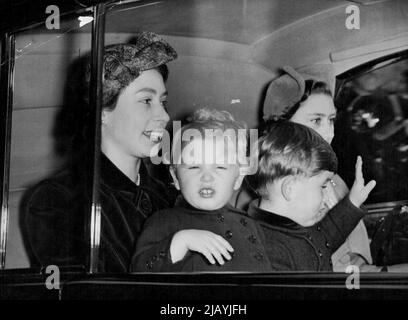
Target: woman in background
306 100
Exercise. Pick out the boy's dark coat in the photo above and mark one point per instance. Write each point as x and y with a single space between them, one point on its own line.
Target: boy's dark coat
291 247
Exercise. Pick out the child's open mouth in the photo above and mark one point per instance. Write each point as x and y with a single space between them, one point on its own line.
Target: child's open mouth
206 192
155 136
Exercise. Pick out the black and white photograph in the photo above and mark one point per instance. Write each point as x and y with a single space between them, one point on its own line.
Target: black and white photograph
204 156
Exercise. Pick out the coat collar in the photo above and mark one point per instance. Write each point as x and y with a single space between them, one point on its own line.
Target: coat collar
272 219
116 179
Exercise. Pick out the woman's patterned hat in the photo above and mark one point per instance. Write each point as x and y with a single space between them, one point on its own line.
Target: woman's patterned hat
124 62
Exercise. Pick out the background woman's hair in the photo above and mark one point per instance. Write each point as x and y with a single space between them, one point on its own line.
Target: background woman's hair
311 87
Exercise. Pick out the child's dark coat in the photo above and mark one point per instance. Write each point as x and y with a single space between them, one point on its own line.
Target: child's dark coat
241 231
290 246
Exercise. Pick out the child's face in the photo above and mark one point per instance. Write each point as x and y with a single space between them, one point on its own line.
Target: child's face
207 181
307 197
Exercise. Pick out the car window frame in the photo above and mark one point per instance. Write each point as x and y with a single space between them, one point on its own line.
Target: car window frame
7 71
6 100
366 67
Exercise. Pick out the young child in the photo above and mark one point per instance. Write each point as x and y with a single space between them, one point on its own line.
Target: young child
295 165
203 232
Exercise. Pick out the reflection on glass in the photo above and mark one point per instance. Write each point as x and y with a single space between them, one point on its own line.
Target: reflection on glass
373 123
42 147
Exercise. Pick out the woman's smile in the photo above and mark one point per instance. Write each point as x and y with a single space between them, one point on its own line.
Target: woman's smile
154 136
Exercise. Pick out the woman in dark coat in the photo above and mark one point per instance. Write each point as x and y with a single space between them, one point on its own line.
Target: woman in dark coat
134 118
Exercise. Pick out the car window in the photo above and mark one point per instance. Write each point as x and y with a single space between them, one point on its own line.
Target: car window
44 90
224 62
373 122
229 68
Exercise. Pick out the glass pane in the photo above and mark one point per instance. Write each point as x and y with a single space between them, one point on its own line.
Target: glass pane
212 57
373 122
46 224
227 54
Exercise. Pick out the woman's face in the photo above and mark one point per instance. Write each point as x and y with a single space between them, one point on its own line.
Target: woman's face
140 109
319 113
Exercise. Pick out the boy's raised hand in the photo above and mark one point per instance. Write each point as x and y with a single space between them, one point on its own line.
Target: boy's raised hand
359 192
211 245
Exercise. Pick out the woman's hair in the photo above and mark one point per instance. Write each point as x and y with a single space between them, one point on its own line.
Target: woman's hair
289 149
311 87
205 120
110 97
